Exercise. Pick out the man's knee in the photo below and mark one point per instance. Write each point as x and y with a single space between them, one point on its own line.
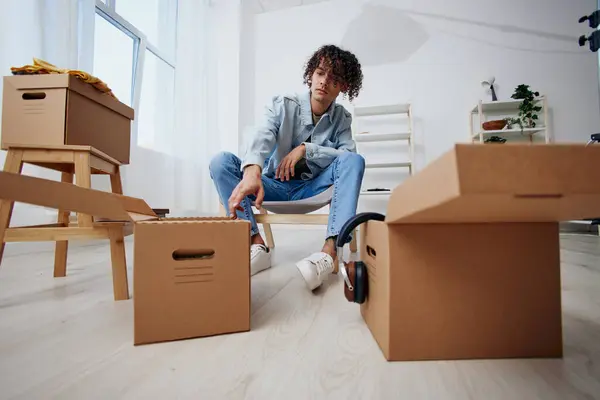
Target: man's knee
352 160
222 162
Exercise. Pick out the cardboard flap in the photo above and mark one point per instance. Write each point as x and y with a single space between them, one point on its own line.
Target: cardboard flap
502 183
37 82
55 81
93 94
69 197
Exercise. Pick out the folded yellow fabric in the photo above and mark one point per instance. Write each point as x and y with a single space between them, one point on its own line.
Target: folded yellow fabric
42 67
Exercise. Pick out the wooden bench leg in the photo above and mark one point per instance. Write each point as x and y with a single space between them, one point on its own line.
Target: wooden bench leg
115 183
117 249
61 248
268 232
354 242
83 178
14 164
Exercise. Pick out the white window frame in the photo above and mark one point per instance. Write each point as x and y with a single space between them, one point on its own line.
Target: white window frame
141 44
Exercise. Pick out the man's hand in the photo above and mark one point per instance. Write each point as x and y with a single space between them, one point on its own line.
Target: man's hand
286 167
251 184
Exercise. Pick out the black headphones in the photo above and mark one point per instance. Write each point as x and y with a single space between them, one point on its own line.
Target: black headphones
356 282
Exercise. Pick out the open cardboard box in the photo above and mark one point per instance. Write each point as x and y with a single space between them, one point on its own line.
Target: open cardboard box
60 109
466 264
191 275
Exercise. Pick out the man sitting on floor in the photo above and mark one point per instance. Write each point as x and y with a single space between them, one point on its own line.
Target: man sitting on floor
303 146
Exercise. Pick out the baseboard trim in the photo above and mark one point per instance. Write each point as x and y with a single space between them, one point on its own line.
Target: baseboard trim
583 227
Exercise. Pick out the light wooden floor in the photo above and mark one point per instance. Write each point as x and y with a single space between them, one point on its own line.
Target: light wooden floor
66 338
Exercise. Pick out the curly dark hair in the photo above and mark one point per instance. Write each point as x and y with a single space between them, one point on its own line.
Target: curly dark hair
343 64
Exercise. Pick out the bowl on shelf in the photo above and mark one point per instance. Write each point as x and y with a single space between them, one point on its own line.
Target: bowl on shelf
495 125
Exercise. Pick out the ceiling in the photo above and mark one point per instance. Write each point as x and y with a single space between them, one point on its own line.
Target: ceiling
274 5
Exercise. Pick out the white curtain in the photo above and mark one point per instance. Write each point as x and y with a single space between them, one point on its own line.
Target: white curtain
206 94
206 98
175 174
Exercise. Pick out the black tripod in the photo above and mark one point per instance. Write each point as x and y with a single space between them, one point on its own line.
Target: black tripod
594 138
594 43
594 38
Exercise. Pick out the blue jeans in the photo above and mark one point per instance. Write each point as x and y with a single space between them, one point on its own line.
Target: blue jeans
345 173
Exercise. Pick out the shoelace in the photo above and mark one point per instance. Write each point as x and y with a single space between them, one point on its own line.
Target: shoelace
254 250
323 265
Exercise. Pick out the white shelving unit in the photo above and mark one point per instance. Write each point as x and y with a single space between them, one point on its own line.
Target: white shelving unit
365 193
492 110
401 135
407 164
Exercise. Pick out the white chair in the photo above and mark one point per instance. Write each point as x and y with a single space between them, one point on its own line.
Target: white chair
296 212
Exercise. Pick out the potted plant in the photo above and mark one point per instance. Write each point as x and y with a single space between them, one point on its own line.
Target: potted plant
528 108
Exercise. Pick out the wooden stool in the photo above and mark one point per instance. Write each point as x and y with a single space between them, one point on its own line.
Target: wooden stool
79 162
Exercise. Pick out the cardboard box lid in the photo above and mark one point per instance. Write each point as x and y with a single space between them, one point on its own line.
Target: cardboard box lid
54 81
69 197
502 183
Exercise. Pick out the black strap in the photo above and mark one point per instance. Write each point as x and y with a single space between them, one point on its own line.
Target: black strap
353 222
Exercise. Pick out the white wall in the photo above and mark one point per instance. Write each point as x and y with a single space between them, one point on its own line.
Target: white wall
435 55
226 46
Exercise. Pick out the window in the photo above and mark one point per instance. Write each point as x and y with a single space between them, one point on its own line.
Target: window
156 104
113 59
155 18
134 53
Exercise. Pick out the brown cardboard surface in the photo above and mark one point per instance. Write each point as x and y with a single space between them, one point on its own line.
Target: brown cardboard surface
177 294
79 130
69 197
376 311
60 109
191 278
464 291
467 262
499 183
23 121
58 81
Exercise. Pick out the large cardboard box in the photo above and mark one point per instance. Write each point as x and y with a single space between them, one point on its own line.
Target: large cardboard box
59 109
191 276
467 263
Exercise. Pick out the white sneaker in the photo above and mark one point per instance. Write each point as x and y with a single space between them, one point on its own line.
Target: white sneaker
315 269
260 258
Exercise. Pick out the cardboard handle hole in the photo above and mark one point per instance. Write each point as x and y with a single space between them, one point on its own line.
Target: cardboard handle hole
193 254
371 251
34 96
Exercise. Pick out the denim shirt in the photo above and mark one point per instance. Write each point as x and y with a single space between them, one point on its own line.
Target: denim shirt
287 123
